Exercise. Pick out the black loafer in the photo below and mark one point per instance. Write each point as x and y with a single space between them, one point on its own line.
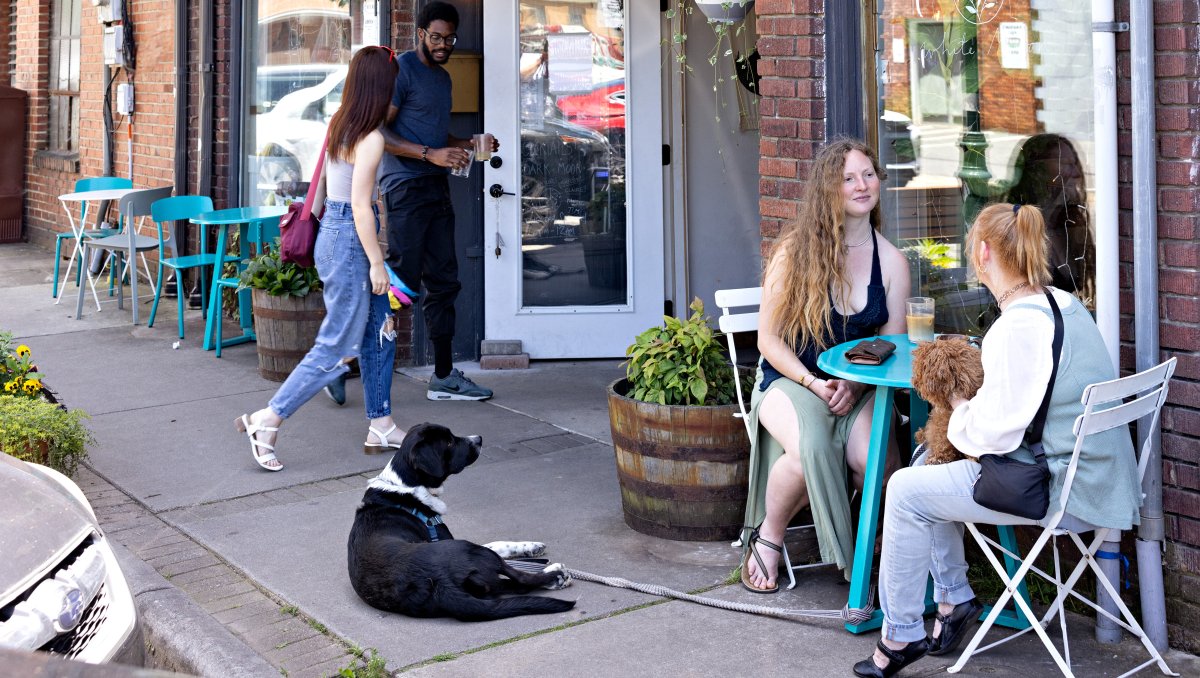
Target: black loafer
954 627
336 390
897 659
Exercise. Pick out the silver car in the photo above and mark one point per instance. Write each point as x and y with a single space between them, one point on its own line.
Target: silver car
61 590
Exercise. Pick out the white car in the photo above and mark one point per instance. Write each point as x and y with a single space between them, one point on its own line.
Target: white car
288 138
61 589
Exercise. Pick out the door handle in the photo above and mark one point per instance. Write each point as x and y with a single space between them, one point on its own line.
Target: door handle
496 190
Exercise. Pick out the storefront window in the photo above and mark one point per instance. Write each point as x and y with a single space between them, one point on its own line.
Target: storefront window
980 102
297 52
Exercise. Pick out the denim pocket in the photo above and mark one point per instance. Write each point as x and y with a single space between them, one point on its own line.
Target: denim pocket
326 247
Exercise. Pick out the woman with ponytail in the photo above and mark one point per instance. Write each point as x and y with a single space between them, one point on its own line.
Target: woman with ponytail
831 278
927 505
358 320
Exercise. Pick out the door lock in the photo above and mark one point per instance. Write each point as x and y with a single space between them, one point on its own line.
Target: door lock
496 190
496 162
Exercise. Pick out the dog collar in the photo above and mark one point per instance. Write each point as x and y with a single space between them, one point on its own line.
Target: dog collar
430 523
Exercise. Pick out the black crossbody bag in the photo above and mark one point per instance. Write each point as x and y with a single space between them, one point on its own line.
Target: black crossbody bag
1013 486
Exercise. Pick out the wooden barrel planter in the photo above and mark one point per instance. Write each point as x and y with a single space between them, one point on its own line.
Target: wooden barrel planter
286 328
683 470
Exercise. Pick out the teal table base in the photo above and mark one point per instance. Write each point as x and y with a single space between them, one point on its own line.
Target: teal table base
896 372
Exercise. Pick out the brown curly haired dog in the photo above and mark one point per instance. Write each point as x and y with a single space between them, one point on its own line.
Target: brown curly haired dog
942 369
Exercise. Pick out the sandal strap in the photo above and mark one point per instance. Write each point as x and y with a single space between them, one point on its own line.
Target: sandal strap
756 539
894 656
384 437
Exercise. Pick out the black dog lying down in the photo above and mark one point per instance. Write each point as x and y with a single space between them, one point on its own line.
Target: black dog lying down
402 558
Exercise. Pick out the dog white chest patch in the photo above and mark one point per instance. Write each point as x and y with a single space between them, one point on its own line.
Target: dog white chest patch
516 549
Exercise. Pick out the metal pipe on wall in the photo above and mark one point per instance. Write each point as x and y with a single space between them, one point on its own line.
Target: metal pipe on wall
182 34
1151 531
236 160
1105 205
204 97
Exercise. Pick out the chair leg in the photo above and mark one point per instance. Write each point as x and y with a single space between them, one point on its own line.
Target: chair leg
180 293
157 291
79 302
57 259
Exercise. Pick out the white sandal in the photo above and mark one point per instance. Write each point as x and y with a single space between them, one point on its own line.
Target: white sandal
384 436
244 425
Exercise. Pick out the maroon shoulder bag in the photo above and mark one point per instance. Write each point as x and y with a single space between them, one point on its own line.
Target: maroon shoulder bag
298 228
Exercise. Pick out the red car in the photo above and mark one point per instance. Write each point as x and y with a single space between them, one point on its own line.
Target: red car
601 109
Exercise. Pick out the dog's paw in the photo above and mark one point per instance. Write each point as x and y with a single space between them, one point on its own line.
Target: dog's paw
561 581
516 549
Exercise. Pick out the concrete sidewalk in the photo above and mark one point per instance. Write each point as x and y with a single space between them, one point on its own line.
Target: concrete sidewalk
242 572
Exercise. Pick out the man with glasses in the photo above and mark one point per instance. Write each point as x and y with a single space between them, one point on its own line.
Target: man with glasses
413 181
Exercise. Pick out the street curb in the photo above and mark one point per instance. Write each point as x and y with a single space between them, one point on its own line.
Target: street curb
179 635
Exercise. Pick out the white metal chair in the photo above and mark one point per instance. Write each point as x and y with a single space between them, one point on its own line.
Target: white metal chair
1103 409
730 324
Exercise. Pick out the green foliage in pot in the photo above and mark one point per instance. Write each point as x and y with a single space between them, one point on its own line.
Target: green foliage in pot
278 279
44 433
680 363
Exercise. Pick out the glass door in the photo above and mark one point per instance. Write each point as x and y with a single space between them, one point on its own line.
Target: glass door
573 253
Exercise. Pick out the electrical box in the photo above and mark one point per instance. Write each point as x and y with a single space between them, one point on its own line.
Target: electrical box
114 38
108 11
125 99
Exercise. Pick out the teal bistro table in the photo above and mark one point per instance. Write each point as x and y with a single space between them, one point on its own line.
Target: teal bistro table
893 373
255 224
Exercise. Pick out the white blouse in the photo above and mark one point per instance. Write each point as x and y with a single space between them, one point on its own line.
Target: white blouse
1017 359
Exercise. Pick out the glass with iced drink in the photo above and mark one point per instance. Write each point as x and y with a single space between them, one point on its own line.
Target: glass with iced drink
919 312
483 146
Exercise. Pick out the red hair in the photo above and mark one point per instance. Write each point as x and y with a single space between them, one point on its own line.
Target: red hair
365 99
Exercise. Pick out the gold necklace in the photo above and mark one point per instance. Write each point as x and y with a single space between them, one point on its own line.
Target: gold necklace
1009 293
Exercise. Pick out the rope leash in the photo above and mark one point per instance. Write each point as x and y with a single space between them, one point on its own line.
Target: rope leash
855 615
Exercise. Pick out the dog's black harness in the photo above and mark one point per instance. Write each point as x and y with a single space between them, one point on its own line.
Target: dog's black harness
429 522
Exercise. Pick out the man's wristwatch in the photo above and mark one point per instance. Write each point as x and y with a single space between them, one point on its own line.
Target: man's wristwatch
424 154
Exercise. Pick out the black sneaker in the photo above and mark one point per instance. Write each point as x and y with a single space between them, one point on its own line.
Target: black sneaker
456 386
336 390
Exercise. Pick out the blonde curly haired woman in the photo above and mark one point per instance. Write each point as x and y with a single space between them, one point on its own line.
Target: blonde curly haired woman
831 278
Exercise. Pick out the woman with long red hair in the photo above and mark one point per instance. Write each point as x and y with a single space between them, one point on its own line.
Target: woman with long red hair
358 320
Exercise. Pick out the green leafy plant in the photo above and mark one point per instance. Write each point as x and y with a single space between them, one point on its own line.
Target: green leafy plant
44 433
277 278
680 363
376 667
933 252
19 377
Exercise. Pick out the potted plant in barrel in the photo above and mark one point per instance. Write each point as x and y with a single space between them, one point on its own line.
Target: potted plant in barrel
33 427
288 310
682 456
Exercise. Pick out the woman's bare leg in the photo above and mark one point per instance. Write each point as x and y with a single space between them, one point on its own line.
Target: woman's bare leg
787 492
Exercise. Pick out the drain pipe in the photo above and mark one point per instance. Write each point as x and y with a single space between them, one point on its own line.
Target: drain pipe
1108 307
1151 530
205 99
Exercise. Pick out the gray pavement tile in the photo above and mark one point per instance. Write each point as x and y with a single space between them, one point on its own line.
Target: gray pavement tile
251 616
149 536
189 552
330 652
182 544
223 582
182 567
199 575
140 521
216 593
268 636
322 670
314 491
284 496
239 599
282 656
332 486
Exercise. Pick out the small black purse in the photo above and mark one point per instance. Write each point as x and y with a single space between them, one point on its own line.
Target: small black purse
1013 486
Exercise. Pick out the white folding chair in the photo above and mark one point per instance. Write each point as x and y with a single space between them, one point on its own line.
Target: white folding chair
1103 409
730 324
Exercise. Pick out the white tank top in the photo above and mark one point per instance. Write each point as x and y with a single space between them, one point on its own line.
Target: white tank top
338 176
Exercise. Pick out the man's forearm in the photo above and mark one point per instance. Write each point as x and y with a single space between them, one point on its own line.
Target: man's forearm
396 145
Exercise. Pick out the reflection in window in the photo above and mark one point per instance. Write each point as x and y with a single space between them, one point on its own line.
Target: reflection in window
295 68
982 102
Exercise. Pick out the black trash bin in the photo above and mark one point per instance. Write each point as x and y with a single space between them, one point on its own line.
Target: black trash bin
13 106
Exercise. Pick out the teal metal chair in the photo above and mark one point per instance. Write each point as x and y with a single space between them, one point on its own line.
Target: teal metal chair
81 185
261 234
165 213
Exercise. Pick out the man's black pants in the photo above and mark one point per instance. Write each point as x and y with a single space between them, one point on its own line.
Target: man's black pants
420 228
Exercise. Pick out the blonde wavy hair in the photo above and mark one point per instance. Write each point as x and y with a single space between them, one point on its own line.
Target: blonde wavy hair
1016 235
812 250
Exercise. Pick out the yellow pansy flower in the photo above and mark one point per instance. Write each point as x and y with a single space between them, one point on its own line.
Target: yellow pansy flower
31 387
11 386
23 351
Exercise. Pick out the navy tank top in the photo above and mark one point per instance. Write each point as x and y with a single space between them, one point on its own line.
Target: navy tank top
865 323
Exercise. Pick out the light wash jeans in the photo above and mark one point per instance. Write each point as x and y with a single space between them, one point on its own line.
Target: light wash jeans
354 325
923 535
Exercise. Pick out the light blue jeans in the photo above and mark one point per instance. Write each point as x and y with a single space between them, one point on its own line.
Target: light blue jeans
923 535
357 323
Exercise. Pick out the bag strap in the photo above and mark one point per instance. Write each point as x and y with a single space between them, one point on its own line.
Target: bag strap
1034 435
306 212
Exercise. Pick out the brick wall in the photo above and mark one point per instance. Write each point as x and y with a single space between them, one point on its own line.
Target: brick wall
1177 99
792 107
792 112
